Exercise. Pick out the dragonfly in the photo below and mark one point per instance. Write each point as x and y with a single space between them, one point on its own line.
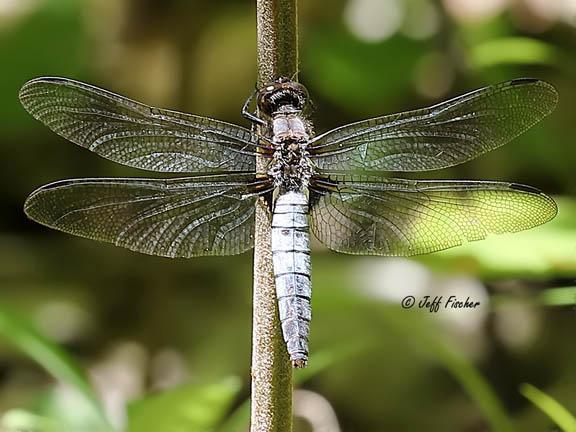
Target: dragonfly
335 185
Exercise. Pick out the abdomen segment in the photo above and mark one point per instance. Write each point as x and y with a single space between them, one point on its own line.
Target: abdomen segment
291 259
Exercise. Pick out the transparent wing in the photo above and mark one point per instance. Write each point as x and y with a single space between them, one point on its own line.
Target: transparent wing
440 136
135 134
402 217
194 216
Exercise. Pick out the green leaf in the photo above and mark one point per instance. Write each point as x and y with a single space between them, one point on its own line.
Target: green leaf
560 415
20 420
559 297
25 337
192 407
512 50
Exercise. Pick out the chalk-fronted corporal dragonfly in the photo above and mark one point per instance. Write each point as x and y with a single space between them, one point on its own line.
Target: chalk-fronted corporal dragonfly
334 184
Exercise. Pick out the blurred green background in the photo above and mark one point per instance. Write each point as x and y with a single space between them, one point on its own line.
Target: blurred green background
166 343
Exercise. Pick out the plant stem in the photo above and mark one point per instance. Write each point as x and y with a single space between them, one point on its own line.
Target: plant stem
271 409
277 40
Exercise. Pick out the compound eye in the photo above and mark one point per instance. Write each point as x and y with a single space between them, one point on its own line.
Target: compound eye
303 90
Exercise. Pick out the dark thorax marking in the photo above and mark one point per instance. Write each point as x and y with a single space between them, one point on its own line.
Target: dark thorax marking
283 102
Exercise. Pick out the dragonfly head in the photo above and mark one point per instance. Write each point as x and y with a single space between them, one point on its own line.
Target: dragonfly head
282 95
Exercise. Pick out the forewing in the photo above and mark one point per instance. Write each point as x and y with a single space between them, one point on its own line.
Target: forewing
440 136
402 218
135 134
194 216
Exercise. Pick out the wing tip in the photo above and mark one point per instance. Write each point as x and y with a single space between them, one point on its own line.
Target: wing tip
27 206
539 83
42 80
551 204
30 207
29 87
30 202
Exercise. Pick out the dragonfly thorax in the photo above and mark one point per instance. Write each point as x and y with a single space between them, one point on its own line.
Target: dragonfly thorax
291 168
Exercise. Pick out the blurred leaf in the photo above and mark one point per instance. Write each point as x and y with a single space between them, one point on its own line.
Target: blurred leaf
324 358
512 50
73 412
420 332
193 407
429 338
20 420
23 335
559 297
30 53
561 416
356 75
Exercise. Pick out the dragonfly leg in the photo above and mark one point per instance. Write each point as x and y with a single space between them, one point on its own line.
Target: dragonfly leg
250 116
